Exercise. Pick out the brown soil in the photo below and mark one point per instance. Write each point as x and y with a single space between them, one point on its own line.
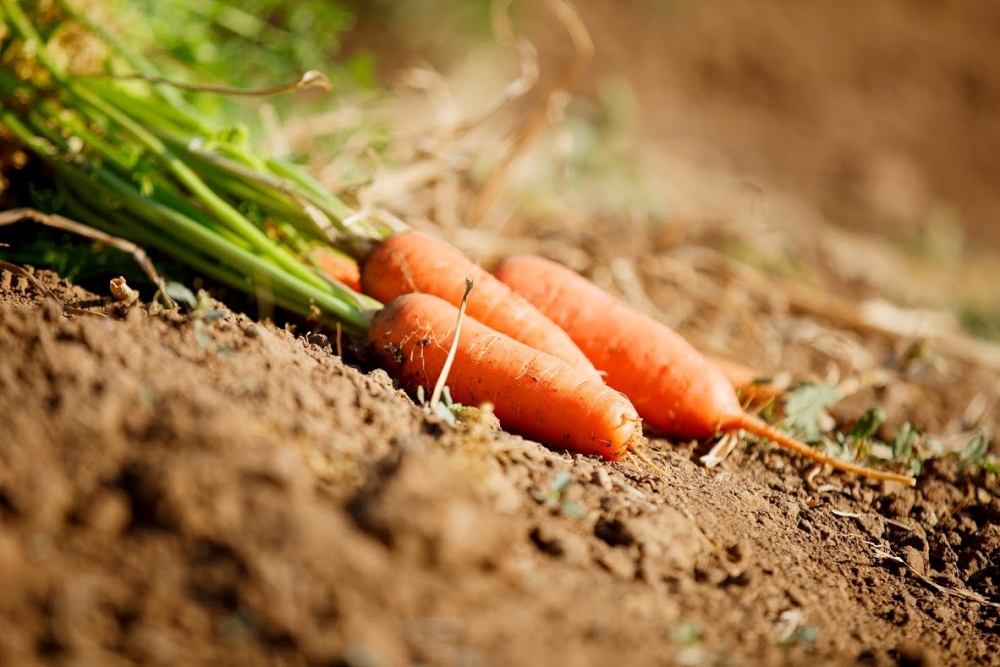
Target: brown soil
882 115
182 489
203 488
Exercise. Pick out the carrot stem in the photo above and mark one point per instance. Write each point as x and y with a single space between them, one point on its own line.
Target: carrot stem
151 169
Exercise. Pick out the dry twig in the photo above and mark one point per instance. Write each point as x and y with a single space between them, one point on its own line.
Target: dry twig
443 378
881 551
311 79
545 114
59 222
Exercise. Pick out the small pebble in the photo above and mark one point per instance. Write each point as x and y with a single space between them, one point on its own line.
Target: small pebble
602 479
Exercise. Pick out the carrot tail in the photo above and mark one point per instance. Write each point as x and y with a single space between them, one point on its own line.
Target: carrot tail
754 425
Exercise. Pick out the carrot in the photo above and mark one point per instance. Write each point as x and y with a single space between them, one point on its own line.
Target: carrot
414 262
338 266
672 385
533 393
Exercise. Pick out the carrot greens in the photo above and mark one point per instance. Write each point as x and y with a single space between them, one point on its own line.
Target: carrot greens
132 158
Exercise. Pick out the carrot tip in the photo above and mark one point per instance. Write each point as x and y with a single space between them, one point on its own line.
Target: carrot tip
760 428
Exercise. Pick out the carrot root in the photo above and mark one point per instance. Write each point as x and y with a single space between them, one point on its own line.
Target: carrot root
754 425
338 266
634 450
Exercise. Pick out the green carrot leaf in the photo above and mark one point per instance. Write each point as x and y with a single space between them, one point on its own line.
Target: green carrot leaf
867 424
803 407
975 450
902 442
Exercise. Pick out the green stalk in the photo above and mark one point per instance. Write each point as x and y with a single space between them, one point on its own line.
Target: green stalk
191 232
193 236
246 184
284 297
159 119
234 179
230 168
217 206
145 110
163 194
317 196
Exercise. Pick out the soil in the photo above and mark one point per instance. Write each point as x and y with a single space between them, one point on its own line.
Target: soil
201 487
882 116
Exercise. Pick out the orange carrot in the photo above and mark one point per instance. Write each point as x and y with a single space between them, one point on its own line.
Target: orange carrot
414 262
533 393
338 266
672 385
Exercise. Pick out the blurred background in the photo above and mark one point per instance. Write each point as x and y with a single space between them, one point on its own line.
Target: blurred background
872 127
849 146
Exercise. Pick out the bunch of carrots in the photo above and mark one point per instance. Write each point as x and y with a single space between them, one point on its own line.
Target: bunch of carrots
560 360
